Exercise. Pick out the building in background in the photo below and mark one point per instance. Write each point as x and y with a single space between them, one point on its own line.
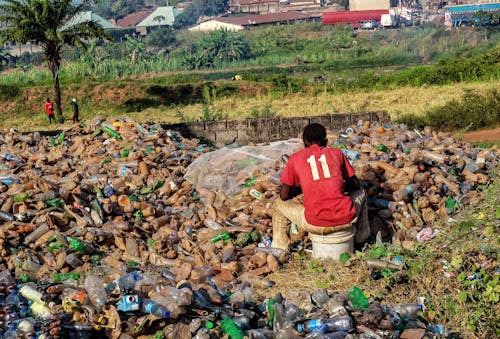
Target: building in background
368 5
161 16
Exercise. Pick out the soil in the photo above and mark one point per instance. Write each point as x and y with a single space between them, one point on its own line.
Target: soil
483 135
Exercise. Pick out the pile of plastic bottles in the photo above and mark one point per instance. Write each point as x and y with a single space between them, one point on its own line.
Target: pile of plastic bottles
102 235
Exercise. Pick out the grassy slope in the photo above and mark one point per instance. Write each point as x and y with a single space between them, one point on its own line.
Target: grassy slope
469 307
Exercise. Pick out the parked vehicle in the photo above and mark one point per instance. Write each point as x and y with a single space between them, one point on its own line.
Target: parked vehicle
388 20
368 24
353 18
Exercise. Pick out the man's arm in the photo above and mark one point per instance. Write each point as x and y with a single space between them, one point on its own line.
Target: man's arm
352 184
288 192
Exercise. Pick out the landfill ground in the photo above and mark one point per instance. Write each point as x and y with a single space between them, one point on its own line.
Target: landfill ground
483 135
124 230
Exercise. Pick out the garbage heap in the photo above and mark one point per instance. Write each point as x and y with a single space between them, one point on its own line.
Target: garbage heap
102 235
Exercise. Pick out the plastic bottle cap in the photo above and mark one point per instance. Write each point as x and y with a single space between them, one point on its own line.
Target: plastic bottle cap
300 328
209 325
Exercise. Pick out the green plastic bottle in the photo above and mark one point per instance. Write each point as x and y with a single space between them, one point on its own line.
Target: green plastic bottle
270 313
21 197
222 236
76 244
382 148
231 329
111 132
60 277
358 299
53 202
250 182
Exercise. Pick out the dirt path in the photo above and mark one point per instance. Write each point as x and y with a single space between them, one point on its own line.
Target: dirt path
484 135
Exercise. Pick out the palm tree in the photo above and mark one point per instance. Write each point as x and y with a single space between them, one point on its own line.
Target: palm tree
48 23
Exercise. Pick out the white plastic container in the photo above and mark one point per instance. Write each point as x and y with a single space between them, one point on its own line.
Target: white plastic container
329 247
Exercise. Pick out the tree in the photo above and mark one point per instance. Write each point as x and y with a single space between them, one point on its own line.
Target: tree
48 24
225 46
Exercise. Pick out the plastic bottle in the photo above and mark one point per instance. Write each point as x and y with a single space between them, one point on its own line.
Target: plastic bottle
11 333
174 308
351 155
32 294
357 298
391 205
152 307
438 158
73 260
181 296
212 224
332 324
223 236
95 290
130 280
109 130
13 300
405 192
10 157
255 280
60 277
5 216
229 327
407 311
9 181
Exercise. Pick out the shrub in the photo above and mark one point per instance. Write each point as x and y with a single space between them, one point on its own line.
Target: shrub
473 110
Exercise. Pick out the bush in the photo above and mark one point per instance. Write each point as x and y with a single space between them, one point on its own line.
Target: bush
473 110
8 92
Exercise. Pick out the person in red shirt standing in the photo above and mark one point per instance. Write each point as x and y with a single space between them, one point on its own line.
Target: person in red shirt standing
49 108
323 175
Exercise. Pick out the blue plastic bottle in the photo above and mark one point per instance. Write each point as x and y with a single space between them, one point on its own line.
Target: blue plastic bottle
154 308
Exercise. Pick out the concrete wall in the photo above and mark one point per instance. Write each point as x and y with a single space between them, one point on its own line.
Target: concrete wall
365 5
258 130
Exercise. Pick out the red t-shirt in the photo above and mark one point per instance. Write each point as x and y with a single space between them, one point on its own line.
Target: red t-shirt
49 108
321 172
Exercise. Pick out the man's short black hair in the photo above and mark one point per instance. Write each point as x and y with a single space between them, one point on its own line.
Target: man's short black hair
315 134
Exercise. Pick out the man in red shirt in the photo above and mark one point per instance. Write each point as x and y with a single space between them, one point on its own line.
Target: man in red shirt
323 174
49 108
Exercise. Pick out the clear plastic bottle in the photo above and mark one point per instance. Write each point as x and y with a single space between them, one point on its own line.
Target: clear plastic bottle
174 308
256 281
152 307
332 324
13 300
11 333
181 296
408 311
95 290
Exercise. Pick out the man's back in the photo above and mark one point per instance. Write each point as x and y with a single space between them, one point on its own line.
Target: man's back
320 172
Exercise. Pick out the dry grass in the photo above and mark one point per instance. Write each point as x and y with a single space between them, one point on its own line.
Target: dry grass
402 100
414 100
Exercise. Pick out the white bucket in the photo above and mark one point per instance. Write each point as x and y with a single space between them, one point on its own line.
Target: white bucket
328 246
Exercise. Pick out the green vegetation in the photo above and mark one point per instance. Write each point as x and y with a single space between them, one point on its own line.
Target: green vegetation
46 24
474 111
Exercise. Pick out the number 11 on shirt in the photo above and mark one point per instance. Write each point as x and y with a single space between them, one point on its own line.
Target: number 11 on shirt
314 166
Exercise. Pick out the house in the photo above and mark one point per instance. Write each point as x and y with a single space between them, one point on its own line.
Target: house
161 16
88 16
237 23
132 19
368 5
254 6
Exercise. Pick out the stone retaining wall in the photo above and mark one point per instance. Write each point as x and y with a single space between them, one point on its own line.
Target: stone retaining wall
258 130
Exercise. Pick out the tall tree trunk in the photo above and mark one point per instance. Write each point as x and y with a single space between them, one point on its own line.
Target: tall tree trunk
57 93
54 69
